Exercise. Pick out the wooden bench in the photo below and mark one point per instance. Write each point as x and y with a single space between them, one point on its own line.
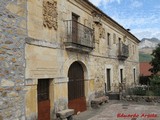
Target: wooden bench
65 114
99 101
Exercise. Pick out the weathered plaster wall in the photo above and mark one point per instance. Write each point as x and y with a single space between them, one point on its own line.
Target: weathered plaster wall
42 62
12 63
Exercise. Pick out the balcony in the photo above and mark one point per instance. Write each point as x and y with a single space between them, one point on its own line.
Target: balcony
123 53
79 37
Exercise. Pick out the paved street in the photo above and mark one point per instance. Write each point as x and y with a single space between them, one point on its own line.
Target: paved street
116 110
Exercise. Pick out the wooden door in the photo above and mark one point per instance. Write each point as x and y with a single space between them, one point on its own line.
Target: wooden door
43 100
75 28
76 95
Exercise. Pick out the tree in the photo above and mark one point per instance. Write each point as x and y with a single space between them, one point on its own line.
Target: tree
155 62
155 79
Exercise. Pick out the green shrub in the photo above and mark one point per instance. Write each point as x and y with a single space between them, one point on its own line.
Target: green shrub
149 93
139 91
155 80
155 85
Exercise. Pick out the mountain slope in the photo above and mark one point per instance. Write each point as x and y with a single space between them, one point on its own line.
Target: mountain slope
148 43
156 40
146 46
144 57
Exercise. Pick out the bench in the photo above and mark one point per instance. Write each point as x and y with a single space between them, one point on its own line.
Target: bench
65 114
99 101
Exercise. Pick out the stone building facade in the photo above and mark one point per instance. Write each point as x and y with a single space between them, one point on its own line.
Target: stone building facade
59 54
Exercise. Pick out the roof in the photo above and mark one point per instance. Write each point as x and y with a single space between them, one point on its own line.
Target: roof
126 30
144 69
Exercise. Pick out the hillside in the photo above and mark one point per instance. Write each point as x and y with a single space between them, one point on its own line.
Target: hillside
146 46
147 43
155 40
144 57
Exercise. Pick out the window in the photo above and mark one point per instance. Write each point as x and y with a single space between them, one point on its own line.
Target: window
114 38
108 39
75 27
134 75
121 75
85 22
133 48
75 17
119 45
108 79
119 40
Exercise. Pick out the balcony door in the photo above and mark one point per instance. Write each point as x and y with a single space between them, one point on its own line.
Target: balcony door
75 28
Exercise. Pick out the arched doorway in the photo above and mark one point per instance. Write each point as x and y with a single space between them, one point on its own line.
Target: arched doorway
76 91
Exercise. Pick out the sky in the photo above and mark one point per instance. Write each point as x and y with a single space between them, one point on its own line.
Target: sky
142 17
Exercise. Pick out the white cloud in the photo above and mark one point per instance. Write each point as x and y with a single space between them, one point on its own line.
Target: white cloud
118 1
104 2
136 4
146 33
135 21
98 2
157 7
142 24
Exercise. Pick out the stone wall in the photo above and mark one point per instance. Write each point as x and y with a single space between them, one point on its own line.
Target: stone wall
136 98
12 63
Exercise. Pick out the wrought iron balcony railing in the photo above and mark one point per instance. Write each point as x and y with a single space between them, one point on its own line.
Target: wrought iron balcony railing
123 51
79 37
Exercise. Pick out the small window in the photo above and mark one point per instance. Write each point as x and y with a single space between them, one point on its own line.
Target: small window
133 48
134 75
75 17
108 79
114 38
119 40
85 22
108 39
121 75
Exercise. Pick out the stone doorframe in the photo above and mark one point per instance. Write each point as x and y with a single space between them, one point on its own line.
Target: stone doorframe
86 70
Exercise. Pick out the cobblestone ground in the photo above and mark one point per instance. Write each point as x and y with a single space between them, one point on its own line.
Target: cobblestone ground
117 110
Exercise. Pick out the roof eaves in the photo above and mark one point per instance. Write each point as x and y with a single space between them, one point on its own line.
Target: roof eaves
87 1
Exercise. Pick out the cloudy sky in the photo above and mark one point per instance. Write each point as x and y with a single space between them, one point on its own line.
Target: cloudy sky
141 16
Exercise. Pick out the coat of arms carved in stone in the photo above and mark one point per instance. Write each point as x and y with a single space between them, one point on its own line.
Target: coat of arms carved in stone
50 14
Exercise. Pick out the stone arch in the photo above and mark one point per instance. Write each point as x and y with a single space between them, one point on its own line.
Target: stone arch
68 63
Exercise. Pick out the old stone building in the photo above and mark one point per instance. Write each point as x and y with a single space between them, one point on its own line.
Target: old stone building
58 54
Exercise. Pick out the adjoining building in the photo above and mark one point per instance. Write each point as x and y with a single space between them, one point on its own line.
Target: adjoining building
59 54
144 69
145 74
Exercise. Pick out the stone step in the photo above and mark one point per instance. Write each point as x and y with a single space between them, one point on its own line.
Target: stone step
113 96
98 101
65 114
